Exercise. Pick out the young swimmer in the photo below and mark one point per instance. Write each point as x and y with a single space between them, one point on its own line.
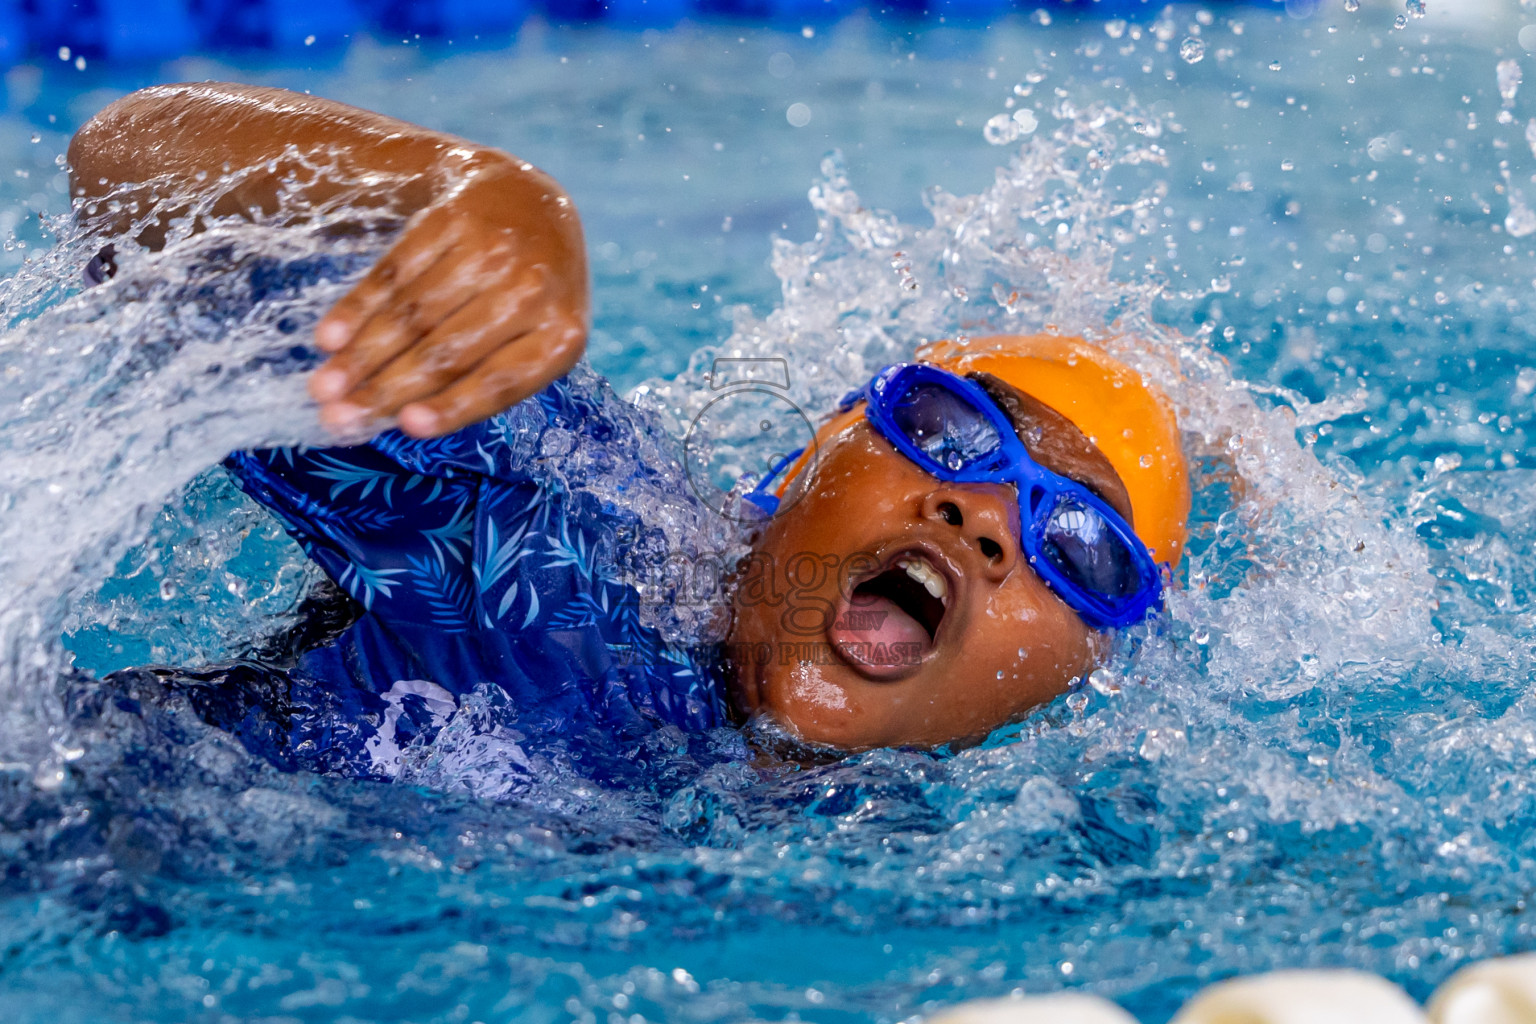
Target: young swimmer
936 565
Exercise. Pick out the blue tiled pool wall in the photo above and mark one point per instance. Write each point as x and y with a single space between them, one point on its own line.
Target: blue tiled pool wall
157 29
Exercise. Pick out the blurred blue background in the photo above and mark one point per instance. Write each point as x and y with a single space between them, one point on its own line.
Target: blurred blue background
159 29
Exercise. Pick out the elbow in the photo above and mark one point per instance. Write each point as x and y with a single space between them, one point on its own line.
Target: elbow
114 145
97 151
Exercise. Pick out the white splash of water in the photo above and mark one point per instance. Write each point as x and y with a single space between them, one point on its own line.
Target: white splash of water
112 399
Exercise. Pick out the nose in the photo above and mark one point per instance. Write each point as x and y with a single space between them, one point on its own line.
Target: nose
986 517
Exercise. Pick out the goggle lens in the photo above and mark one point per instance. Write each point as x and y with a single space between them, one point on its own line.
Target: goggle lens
1084 549
943 425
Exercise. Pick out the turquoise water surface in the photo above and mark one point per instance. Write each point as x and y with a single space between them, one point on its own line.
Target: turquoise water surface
1314 232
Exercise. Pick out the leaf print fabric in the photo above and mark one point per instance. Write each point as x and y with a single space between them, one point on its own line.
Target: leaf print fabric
476 562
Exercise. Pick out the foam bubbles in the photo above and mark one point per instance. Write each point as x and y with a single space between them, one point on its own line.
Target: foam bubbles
116 398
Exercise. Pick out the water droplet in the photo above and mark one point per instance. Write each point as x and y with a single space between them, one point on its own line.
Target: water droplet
1350 79
1287 165
1509 76
1026 120
309 40
1159 743
1415 7
1274 65
1401 21
1521 220
1525 380
1351 5
167 590
1192 50
1000 130
37 136
1145 462
63 53
1115 28
1103 681
1222 284
999 673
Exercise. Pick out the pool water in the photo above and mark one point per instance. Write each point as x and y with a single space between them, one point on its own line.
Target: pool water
1313 232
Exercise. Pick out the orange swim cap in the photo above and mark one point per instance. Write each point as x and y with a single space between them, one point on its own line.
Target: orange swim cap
1126 418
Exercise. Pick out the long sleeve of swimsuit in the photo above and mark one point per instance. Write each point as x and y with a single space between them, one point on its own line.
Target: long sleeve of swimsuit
476 562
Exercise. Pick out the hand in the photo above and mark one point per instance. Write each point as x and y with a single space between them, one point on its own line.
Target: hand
479 304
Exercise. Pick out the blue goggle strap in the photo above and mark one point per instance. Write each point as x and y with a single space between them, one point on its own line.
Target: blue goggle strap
759 496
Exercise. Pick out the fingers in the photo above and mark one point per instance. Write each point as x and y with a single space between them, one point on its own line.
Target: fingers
415 308
425 242
479 304
464 339
504 378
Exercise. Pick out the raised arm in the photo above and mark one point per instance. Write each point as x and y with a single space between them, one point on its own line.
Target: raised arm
481 301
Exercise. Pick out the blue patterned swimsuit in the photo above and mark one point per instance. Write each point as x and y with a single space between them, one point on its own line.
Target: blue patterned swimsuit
481 561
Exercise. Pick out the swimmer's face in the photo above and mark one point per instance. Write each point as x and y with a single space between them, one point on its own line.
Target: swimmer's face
885 607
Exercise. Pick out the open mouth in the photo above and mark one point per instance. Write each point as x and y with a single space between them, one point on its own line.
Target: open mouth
914 587
891 620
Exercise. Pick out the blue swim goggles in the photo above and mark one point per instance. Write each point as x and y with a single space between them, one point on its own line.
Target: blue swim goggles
951 428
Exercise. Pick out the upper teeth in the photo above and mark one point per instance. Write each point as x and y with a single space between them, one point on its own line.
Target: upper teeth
927 575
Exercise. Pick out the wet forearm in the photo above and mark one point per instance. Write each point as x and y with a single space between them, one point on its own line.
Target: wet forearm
188 139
